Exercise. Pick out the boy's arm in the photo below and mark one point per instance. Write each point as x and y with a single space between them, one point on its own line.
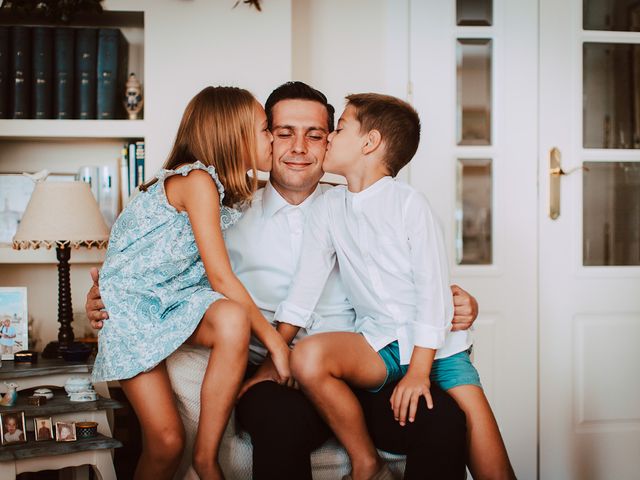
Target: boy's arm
434 303
317 259
434 306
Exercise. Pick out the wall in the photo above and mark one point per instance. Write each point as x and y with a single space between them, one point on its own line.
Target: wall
187 45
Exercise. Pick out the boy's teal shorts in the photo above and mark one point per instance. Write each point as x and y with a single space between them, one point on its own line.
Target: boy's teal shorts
446 372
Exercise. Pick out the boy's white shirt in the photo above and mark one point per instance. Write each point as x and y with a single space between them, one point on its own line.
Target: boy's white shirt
393 266
264 247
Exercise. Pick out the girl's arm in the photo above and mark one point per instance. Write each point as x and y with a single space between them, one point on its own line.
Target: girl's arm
198 196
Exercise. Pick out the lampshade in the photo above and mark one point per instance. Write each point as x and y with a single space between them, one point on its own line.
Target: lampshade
61 214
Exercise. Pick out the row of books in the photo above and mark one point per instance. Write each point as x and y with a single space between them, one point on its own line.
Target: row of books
111 186
62 73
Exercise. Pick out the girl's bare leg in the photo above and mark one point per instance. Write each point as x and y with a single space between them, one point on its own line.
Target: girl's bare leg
323 364
152 399
225 328
488 459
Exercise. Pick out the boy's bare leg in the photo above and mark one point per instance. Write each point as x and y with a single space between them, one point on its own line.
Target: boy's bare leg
225 328
488 457
324 364
152 399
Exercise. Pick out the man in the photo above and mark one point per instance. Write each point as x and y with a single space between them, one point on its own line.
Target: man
264 247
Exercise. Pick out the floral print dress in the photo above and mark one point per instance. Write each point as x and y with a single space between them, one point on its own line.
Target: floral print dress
153 282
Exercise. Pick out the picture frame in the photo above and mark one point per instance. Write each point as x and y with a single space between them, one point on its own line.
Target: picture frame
14 321
16 191
13 428
43 428
66 432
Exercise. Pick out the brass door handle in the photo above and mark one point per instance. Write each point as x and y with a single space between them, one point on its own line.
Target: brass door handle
555 173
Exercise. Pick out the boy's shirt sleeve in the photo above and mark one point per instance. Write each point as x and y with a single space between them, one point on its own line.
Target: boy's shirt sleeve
434 302
317 259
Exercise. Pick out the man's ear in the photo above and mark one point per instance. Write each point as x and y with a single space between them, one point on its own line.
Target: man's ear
373 140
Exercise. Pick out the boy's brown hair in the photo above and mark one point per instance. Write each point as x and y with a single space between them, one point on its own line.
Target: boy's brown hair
396 120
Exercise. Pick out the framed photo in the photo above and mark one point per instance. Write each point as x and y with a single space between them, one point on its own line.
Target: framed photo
13 321
16 191
65 432
13 428
43 428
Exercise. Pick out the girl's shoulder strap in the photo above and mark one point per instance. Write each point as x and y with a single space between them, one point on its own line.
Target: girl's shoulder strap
188 167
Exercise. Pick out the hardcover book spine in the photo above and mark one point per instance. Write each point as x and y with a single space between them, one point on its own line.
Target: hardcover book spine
108 39
42 72
4 72
20 72
63 73
139 163
131 147
86 49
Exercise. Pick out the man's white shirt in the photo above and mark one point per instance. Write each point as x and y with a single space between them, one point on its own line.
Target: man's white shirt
393 264
264 248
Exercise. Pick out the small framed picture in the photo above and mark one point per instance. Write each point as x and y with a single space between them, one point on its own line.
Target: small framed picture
13 321
13 428
43 428
65 432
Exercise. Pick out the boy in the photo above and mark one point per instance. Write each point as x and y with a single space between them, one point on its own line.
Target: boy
393 264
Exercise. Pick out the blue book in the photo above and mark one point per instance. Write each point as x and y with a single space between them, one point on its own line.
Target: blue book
20 90
86 49
4 72
139 163
63 74
112 72
42 63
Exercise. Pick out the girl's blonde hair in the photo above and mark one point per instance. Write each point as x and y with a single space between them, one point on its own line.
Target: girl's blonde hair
217 128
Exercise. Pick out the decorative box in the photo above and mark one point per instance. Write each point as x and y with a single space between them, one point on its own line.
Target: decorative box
86 429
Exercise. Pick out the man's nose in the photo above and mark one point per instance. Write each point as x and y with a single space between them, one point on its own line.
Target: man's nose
299 144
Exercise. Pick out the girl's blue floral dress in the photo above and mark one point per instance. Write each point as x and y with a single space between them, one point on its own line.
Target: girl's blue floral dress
153 282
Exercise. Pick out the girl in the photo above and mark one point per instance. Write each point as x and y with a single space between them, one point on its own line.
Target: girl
167 280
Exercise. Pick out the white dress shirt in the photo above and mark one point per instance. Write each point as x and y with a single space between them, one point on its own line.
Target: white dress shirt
393 264
264 247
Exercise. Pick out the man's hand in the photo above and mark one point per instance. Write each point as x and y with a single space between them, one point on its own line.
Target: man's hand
94 306
266 373
465 309
405 397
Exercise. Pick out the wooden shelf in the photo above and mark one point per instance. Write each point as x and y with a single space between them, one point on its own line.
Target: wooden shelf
11 370
59 404
33 449
71 129
42 255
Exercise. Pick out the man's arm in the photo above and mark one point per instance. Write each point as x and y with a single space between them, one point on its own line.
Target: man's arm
94 306
465 309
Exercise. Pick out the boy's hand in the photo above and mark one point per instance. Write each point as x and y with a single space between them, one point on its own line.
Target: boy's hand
406 395
94 306
465 309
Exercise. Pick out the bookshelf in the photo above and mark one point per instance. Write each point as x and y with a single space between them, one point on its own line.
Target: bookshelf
63 146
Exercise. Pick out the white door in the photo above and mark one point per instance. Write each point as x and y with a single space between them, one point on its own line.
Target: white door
590 254
473 71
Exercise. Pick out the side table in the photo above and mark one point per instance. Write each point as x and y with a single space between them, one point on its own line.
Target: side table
51 455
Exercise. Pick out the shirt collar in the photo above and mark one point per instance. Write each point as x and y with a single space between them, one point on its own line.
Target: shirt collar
372 189
273 202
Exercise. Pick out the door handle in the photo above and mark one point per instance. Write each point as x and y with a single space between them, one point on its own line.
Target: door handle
555 173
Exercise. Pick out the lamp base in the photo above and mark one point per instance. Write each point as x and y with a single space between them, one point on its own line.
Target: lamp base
75 352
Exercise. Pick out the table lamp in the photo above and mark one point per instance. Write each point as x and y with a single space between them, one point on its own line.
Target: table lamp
63 215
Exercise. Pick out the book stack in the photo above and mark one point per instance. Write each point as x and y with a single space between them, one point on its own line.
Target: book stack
131 169
62 73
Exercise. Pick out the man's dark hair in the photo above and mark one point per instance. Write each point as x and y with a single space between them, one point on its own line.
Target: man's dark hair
297 91
396 120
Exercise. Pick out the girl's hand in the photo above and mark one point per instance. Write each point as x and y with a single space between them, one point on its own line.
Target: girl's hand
406 395
279 352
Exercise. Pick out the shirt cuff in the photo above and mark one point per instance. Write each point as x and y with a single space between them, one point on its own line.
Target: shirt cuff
428 336
288 312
